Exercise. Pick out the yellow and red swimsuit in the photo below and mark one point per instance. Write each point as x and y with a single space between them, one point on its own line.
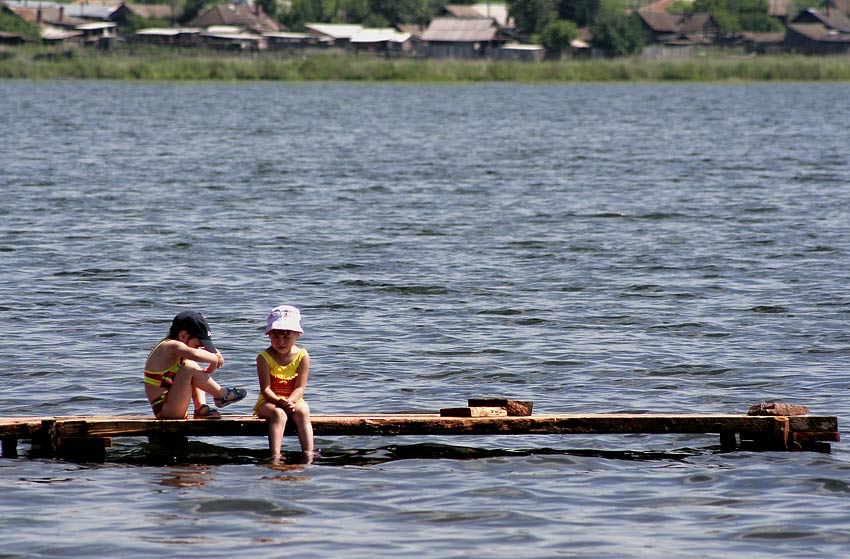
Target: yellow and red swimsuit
163 379
282 377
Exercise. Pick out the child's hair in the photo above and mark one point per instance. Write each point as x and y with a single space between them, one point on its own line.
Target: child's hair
195 324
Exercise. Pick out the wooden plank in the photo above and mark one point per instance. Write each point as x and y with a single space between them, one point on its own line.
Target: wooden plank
513 407
49 434
433 424
477 411
20 427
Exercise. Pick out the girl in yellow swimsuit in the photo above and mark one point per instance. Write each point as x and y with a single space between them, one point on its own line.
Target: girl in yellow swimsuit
173 377
283 368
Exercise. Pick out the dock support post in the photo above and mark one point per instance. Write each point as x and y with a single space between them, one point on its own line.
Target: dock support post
728 441
10 447
170 441
781 428
82 449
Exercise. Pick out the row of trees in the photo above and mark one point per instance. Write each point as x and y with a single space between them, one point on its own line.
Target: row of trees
555 22
614 24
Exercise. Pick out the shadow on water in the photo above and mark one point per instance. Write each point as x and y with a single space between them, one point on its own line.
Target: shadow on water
197 452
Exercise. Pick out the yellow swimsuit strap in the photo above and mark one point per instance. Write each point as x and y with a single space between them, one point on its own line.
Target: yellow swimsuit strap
283 372
156 377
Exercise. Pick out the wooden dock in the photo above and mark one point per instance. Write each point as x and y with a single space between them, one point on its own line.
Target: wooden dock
86 438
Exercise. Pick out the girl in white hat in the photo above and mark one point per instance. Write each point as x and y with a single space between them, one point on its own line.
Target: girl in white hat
283 368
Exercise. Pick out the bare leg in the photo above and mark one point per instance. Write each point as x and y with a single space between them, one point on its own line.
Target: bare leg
277 425
187 380
301 417
199 398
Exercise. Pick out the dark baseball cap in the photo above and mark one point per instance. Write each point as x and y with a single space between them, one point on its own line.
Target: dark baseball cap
196 325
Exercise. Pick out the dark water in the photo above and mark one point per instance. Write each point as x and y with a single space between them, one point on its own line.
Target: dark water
593 248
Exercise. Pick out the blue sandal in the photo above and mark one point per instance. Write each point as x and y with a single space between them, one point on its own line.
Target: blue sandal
232 395
206 412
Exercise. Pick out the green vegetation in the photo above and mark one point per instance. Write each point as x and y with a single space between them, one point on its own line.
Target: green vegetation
615 32
11 23
557 37
164 64
739 15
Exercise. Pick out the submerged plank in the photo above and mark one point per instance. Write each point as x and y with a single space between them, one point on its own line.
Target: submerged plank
433 424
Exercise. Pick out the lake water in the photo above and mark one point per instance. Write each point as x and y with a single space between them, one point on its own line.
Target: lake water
593 248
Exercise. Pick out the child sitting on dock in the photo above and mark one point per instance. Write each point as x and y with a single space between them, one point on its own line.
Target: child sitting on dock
282 369
173 376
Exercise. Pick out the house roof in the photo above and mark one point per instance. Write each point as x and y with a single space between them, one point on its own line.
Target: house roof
819 32
659 20
159 11
695 22
55 34
47 14
95 25
833 19
460 30
522 47
379 35
763 38
334 30
237 15
665 22
497 11
168 31
92 10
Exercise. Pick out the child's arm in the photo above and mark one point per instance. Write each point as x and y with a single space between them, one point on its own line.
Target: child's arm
264 375
215 360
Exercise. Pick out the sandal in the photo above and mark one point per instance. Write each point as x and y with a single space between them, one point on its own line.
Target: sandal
232 395
206 412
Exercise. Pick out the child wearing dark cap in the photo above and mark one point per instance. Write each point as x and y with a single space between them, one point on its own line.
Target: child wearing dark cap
173 376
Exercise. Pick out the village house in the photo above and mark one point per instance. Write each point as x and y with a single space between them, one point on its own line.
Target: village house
169 36
498 12
819 32
386 41
334 34
56 27
662 27
234 27
242 16
518 52
452 37
289 41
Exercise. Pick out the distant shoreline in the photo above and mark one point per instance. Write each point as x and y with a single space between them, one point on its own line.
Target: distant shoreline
168 65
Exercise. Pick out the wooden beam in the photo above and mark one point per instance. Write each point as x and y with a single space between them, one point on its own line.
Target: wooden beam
433 424
513 407
477 411
50 434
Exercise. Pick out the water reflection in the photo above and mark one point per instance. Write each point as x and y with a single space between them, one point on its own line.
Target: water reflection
186 476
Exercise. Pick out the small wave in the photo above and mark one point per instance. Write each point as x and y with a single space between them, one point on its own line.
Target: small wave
769 309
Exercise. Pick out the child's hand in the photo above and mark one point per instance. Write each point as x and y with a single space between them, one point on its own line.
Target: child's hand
287 405
216 364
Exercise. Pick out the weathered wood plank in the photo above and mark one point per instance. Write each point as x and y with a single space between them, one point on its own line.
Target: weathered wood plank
767 432
477 411
433 424
513 407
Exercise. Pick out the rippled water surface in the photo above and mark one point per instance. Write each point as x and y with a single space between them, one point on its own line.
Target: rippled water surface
593 248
